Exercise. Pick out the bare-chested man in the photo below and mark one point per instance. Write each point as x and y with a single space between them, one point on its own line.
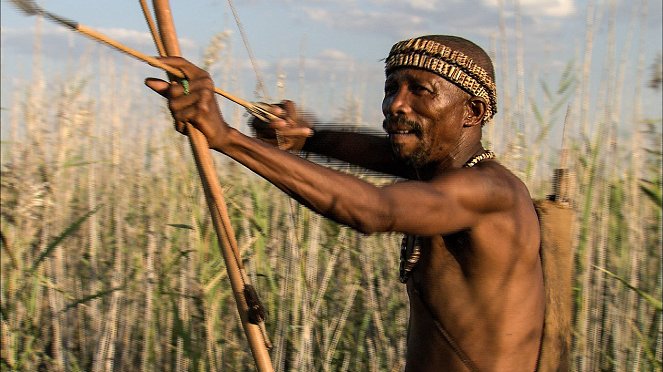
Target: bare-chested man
470 255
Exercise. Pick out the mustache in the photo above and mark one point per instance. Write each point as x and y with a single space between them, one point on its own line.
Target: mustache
401 122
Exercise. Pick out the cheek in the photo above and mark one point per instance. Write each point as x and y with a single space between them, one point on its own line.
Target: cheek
386 102
441 136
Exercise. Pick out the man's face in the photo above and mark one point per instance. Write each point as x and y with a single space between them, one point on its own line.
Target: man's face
423 115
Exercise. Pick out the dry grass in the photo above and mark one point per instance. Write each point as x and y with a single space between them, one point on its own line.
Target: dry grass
109 260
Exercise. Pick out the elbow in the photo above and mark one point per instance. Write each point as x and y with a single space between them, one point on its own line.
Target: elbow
368 217
366 229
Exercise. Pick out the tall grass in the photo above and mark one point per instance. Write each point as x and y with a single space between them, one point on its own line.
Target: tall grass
109 260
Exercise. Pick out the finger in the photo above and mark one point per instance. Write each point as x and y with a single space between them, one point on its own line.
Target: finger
190 70
200 82
275 122
295 132
199 92
178 100
180 88
158 86
274 110
295 117
180 127
290 109
277 111
186 113
278 124
176 90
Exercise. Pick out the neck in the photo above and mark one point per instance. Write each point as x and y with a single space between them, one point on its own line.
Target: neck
469 146
457 159
462 157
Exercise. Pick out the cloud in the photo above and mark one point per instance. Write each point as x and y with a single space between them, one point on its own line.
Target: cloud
325 62
548 8
335 55
321 66
422 4
60 43
356 19
399 18
553 8
369 27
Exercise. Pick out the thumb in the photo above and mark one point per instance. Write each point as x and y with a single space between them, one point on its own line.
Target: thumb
158 86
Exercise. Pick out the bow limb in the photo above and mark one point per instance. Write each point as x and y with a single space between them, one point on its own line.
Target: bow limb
215 201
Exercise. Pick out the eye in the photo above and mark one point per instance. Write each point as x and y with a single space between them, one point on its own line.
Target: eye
390 88
420 89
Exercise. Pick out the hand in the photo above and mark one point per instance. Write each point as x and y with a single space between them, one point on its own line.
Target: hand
198 106
288 132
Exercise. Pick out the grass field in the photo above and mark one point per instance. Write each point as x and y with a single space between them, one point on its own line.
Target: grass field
109 259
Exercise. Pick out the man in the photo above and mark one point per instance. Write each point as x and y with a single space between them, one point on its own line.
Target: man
470 255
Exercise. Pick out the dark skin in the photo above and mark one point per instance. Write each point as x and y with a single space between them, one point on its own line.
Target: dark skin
479 273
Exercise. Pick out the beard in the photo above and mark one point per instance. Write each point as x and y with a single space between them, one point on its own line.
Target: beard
420 155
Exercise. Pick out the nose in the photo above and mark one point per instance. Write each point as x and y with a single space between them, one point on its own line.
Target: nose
396 102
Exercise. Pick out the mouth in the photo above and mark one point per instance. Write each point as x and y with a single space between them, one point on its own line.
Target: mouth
396 132
404 141
402 128
402 135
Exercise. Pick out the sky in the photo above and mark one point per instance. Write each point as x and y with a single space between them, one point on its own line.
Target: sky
331 51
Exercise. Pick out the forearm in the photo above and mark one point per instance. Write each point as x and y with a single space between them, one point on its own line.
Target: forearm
335 195
366 150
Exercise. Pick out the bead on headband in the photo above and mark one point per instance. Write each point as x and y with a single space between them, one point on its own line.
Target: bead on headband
450 64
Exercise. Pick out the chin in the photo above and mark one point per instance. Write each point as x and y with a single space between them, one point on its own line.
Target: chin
417 158
417 162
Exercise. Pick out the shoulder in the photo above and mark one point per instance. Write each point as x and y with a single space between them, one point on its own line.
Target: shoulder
486 187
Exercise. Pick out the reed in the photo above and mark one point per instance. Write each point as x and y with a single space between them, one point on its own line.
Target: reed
112 262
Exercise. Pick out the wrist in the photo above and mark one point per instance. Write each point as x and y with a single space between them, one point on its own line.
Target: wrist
223 139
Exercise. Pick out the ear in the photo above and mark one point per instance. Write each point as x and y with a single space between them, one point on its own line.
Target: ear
475 110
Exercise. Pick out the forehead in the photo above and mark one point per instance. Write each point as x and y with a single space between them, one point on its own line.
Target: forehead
409 74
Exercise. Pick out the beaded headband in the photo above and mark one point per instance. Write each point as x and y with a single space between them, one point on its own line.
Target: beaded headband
450 64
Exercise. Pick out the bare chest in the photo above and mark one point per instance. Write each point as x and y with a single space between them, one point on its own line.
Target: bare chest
438 262
454 291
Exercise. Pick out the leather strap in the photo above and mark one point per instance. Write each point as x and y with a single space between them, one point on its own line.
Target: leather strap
454 345
447 336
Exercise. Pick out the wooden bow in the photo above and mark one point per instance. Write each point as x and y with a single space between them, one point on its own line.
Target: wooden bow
239 281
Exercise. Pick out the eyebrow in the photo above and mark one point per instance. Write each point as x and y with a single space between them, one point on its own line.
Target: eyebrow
404 77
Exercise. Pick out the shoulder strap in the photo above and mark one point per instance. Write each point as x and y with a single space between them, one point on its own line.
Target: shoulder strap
447 336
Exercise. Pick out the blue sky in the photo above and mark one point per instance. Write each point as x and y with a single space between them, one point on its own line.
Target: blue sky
332 45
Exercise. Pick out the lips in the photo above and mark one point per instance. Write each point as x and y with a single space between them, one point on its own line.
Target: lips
402 132
400 126
396 134
403 137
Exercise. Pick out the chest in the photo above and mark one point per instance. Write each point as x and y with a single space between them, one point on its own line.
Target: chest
441 261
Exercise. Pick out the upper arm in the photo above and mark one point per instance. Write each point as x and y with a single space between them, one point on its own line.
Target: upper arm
367 149
449 203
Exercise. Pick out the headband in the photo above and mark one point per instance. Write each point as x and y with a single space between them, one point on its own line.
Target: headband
450 64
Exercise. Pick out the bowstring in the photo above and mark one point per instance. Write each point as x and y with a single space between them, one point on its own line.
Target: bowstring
261 90
260 86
